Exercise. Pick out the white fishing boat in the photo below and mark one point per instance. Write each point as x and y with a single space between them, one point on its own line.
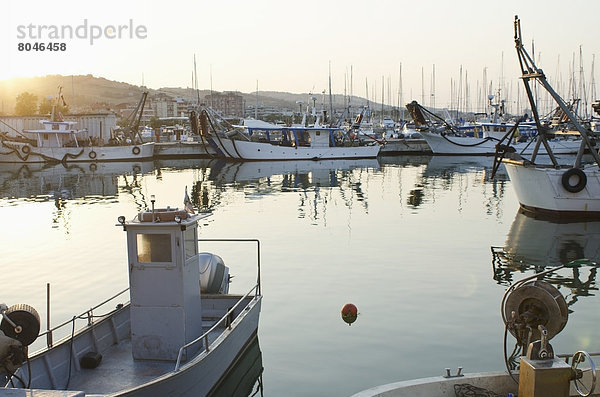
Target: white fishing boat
446 137
316 143
555 189
448 144
288 143
59 142
180 334
533 311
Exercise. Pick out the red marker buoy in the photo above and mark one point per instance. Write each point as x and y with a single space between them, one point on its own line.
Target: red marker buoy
349 313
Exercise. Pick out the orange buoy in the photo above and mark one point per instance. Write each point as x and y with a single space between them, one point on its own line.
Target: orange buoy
349 313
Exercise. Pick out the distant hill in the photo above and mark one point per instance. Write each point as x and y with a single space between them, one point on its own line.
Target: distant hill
89 93
78 90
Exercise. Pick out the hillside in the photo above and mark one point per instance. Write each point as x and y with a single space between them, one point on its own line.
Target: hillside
89 93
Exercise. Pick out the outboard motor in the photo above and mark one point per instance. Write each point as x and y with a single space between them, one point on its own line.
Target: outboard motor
19 328
214 275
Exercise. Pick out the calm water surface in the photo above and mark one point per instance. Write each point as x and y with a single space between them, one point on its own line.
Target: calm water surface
408 240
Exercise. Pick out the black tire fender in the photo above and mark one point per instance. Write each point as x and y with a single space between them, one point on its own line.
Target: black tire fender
581 180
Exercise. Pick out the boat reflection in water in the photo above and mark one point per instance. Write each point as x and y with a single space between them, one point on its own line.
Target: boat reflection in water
43 182
245 378
534 245
85 183
261 178
297 173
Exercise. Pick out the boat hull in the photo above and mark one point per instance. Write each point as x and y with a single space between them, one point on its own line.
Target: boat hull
247 150
451 145
402 146
438 386
127 377
183 150
202 374
19 152
540 189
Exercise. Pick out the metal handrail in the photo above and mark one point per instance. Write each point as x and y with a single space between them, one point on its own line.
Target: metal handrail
226 317
87 314
567 356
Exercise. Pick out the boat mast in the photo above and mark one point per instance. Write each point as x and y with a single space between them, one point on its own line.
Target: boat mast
433 88
195 81
400 101
330 98
531 71
382 97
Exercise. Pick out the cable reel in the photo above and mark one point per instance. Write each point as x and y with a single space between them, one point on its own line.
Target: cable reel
532 304
534 311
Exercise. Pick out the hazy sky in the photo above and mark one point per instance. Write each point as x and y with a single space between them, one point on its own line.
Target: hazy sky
288 45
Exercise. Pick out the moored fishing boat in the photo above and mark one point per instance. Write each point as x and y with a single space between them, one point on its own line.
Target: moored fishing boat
561 190
180 334
60 142
446 144
482 138
57 142
288 143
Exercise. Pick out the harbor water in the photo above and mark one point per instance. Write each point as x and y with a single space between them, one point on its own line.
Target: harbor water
424 246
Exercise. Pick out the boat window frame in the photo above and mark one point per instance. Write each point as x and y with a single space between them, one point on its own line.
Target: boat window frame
193 240
172 244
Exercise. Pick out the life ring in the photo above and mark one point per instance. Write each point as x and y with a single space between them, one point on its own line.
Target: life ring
581 180
93 155
93 167
135 150
26 149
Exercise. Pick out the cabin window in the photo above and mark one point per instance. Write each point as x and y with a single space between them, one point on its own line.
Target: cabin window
153 248
189 238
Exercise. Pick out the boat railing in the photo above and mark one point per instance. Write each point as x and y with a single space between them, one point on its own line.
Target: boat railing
225 319
567 357
88 314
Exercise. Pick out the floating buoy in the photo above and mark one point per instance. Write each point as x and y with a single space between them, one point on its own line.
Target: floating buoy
349 313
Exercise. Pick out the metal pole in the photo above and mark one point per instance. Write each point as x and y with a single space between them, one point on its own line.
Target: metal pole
49 334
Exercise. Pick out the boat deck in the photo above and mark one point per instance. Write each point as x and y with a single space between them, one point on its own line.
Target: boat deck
119 371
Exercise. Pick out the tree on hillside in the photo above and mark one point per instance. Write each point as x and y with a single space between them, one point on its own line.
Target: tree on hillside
26 104
46 107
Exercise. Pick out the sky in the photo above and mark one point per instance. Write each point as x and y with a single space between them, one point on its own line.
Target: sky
425 47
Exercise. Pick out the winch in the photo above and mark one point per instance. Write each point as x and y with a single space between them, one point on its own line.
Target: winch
19 328
534 311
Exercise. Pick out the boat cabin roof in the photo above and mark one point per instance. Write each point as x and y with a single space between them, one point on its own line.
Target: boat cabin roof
164 217
55 127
